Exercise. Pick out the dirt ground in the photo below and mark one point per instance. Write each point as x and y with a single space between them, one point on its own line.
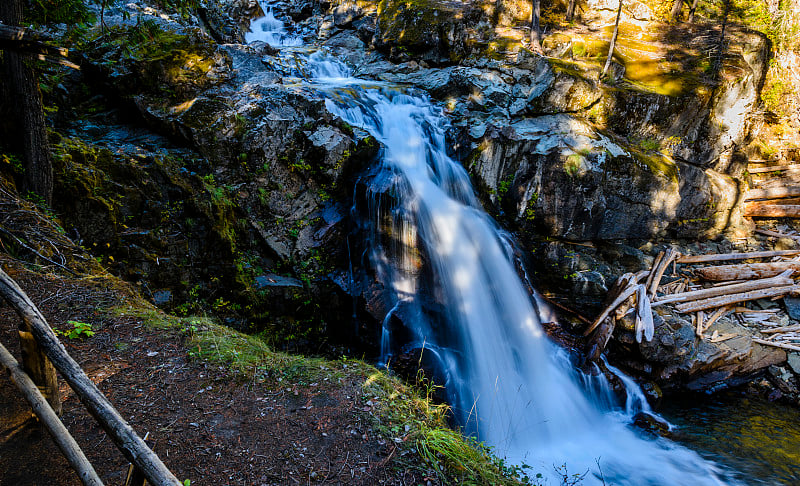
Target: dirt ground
206 423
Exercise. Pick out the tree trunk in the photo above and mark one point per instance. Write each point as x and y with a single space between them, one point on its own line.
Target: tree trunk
570 10
675 15
613 41
721 42
536 42
692 11
23 87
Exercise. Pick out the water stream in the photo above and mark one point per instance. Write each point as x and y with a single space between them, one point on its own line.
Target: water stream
452 280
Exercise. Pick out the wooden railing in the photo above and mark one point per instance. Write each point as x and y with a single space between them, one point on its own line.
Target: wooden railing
42 354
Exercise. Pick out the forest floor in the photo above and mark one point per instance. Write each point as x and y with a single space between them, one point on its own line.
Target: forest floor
209 423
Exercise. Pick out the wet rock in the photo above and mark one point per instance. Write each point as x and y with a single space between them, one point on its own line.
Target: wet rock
652 424
782 379
162 297
792 305
272 280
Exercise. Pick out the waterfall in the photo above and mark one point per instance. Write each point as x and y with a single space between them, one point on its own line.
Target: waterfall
455 286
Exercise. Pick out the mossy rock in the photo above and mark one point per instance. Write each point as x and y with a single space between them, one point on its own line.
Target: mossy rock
431 30
151 57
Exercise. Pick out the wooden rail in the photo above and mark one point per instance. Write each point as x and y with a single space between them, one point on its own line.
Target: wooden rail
123 436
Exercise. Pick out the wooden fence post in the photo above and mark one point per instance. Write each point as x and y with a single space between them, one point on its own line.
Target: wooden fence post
40 369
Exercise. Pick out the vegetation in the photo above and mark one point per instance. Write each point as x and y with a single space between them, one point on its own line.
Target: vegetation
405 414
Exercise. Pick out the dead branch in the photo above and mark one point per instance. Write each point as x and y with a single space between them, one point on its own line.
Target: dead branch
791 347
659 272
714 302
769 210
746 271
780 280
718 257
29 41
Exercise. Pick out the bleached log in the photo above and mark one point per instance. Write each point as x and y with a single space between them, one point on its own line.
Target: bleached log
670 255
778 281
791 347
792 328
643 323
775 234
714 302
719 257
771 210
654 268
772 193
746 271
624 287
745 310
773 168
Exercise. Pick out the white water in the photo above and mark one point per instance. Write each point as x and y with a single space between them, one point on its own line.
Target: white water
271 30
457 289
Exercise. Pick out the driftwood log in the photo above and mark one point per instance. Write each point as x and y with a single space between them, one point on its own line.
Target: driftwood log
715 302
772 193
49 419
775 234
746 271
774 168
624 287
790 347
719 257
779 281
131 445
771 210
658 271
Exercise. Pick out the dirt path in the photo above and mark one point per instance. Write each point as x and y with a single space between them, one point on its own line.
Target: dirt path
207 424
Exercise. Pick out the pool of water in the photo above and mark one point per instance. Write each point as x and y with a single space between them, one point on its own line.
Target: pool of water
759 439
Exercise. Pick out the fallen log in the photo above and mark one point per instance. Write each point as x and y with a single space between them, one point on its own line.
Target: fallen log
746 271
771 210
780 280
773 168
718 257
624 287
669 256
772 193
50 420
714 302
775 234
792 328
654 268
131 445
791 347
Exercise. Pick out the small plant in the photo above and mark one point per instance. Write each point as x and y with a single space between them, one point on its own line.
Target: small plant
79 330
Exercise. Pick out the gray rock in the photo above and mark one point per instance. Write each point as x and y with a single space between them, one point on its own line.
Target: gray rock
793 360
162 297
792 305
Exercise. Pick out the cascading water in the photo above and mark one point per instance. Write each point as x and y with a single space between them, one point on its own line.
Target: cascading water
454 283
